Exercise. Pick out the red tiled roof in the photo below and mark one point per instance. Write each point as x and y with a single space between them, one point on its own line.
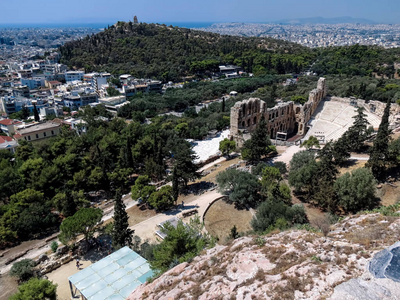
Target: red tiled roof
17 136
4 139
6 122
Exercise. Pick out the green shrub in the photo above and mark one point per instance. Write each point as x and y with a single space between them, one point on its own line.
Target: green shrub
36 289
23 269
54 246
281 166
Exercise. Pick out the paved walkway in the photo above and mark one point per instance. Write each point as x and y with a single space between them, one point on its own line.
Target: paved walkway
287 155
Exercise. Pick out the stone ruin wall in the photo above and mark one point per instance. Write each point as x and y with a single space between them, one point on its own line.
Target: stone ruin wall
305 112
373 106
284 117
246 114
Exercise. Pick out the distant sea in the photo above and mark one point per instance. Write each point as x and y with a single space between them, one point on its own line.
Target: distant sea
101 25
57 25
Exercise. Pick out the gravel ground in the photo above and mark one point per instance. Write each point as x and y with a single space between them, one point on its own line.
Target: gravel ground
206 148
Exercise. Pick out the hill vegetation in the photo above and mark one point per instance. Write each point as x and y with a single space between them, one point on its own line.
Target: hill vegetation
356 60
169 53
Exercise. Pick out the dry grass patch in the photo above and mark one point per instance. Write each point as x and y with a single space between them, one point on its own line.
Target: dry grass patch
137 215
284 261
369 236
389 194
352 166
273 253
221 217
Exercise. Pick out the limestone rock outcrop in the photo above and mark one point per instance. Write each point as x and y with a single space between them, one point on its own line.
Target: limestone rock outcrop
294 264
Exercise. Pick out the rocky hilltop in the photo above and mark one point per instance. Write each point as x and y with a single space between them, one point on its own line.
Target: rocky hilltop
294 264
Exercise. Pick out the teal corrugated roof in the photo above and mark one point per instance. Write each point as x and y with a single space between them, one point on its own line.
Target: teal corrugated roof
114 277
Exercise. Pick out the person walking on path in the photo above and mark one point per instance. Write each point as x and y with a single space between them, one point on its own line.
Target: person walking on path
77 263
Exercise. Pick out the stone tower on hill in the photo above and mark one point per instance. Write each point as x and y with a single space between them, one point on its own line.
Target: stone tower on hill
135 20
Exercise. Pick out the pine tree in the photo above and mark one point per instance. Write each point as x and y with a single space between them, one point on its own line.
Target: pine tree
379 153
121 234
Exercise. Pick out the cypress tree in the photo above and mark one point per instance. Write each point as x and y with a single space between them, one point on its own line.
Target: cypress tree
121 234
358 133
258 145
323 192
380 150
36 113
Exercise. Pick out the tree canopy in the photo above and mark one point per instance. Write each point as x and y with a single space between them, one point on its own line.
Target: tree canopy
311 142
269 212
227 146
242 188
303 168
181 243
83 222
162 199
135 48
258 145
23 269
36 289
356 190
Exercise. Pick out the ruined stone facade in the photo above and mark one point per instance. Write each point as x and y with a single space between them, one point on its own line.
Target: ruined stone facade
284 118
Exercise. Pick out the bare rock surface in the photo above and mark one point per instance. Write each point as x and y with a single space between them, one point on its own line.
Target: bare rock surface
380 281
294 264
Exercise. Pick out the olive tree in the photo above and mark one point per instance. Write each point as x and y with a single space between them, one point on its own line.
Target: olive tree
356 190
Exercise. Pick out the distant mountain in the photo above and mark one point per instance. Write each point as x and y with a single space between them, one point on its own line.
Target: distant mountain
321 20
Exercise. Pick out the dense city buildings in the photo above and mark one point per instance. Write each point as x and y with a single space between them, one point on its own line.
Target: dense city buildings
24 43
317 35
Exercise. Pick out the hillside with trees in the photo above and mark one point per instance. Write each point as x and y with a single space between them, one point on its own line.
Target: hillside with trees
46 182
356 60
170 53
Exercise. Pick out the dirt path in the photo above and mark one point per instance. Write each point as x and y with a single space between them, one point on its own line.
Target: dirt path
60 277
146 229
287 155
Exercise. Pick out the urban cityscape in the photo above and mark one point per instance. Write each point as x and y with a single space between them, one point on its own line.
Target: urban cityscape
243 160
317 35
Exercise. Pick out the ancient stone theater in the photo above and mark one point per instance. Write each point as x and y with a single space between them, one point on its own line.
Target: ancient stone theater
284 119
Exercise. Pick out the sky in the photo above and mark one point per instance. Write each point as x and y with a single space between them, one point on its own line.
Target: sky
164 11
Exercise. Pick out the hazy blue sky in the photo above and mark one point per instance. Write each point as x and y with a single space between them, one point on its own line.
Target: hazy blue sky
70 11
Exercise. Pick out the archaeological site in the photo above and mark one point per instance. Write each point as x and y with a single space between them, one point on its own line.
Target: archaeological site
327 120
